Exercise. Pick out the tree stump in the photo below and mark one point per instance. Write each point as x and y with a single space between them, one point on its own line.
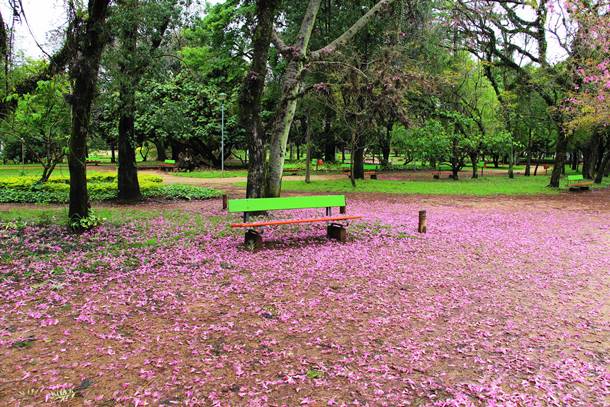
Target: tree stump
422 228
225 201
253 240
336 232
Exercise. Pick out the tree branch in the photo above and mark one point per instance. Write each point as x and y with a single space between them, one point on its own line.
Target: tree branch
352 31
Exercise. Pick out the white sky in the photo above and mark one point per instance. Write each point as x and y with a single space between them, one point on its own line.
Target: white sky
43 16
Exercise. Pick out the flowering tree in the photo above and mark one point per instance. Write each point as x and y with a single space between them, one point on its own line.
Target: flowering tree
514 34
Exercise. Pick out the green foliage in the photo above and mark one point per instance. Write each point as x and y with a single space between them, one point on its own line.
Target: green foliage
181 192
41 122
102 187
89 222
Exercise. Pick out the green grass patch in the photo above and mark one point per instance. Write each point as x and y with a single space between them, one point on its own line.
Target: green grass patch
213 174
485 186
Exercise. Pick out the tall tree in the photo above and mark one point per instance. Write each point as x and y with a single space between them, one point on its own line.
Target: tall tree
141 26
86 40
251 96
292 83
512 35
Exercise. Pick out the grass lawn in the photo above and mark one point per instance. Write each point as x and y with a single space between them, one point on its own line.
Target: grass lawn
212 174
477 187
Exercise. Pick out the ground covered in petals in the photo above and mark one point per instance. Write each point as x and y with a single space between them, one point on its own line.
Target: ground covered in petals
496 305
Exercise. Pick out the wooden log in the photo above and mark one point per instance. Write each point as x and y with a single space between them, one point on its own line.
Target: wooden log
336 232
225 201
253 240
422 228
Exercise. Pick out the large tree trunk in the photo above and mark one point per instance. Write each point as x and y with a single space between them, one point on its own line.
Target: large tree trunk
291 87
281 128
129 187
251 95
560 158
89 45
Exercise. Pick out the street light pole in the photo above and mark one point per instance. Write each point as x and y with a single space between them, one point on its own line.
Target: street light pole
222 98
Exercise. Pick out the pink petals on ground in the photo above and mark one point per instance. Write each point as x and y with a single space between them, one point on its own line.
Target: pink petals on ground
493 306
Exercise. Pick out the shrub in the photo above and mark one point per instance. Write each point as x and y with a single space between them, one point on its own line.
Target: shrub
102 187
181 192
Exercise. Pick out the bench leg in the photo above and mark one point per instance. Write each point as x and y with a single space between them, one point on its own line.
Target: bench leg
337 232
253 239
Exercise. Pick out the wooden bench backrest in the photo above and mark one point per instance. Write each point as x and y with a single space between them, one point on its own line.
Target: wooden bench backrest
278 204
575 178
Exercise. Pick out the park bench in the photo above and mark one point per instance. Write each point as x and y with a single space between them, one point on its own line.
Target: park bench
577 182
168 165
370 173
93 162
334 229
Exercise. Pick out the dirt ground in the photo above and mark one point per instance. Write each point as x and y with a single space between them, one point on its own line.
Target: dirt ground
503 302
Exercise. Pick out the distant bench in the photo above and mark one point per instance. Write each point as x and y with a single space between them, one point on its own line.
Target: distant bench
93 162
167 165
371 173
334 230
578 183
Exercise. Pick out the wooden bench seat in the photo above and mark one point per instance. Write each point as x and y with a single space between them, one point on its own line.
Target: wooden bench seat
335 229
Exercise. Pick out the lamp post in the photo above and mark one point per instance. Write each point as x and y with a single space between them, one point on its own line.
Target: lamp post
222 97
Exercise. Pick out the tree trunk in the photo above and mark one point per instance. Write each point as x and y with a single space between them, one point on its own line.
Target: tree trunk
281 128
112 152
560 159
358 160
455 165
604 168
330 146
251 95
474 157
308 159
528 163
161 154
129 187
83 72
386 144
591 154
575 159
